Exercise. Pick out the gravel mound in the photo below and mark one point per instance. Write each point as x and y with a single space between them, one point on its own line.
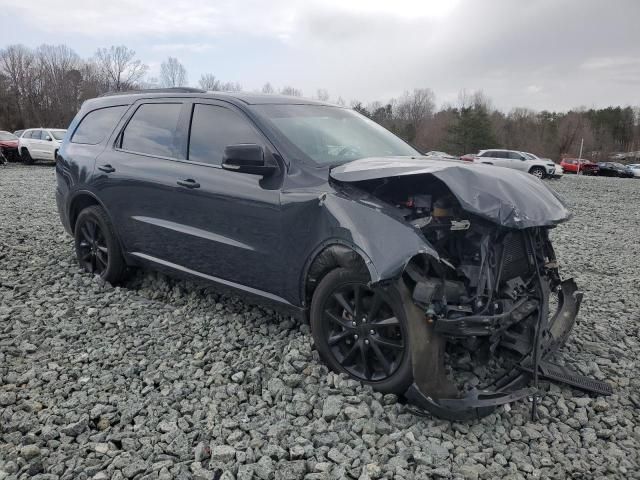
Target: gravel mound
168 379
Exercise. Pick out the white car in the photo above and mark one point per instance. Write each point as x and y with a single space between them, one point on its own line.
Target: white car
635 168
40 144
559 171
539 167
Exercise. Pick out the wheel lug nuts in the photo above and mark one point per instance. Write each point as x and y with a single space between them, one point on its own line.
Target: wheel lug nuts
364 319
355 336
366 342
372 332
353 324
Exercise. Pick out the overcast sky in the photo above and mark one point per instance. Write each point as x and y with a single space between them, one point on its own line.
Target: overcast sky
543 54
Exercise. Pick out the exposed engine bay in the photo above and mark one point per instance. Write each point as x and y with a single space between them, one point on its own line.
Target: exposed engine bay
486 298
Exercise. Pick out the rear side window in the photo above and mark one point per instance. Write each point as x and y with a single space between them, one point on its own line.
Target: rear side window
97 125
213 128
152 130
35 135
514 155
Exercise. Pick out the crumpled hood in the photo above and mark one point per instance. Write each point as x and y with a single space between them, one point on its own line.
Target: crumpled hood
501 195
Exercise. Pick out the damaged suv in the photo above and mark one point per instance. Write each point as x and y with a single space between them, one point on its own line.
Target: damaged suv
408 269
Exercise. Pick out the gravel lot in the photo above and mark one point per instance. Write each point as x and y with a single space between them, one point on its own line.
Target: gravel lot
167 379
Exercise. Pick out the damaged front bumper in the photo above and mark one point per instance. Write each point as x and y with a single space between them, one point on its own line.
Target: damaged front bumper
433 392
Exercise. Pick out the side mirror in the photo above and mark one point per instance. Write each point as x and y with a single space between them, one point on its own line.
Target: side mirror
247 158
47 138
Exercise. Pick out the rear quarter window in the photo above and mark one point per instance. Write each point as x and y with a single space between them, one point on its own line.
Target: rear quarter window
97 125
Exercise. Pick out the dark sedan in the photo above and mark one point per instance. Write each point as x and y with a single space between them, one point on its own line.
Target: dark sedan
614 169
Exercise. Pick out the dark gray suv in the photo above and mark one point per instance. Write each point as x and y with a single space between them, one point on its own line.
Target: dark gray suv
399 262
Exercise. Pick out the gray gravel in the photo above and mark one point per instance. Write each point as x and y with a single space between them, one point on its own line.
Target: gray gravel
168 379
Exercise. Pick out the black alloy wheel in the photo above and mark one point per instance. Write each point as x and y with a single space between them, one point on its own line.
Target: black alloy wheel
361 331
97 247
92 247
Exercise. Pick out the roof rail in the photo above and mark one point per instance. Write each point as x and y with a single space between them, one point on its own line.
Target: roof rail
156 90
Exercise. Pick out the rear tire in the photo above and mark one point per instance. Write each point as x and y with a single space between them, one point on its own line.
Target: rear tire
26 157
97 246
538 172
361 331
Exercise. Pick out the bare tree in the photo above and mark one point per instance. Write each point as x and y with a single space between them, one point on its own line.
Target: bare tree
208 81
268 88
291 91
173 73
119 68
322 94
230 87
416 106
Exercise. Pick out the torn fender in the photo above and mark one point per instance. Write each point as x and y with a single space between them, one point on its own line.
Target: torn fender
386 243
500 195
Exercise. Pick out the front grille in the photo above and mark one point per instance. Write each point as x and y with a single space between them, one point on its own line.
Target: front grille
516 260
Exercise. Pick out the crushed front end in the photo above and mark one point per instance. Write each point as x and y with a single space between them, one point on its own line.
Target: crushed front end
486 304
481 330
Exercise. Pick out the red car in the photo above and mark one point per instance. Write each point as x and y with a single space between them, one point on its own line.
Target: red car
9 145
575 165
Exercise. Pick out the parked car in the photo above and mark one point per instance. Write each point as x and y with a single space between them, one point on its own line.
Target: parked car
614 169
540 168
321 212
469 157
575 165
635 168
558 171
9 146
40 144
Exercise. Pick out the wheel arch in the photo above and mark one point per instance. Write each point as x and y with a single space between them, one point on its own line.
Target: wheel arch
327 256
81 200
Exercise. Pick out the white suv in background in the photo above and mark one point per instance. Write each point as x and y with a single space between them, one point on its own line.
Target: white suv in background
538 167
40 144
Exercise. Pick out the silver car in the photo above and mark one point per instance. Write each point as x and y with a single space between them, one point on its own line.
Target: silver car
517 160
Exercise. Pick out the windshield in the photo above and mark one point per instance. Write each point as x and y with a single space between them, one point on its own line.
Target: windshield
58 134
7 136
530 156
332 135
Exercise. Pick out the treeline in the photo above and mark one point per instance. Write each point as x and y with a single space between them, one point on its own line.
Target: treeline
47 85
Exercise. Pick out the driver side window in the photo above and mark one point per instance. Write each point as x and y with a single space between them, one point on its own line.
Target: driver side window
213 128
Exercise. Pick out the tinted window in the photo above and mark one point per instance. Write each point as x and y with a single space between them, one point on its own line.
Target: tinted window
27 135
213 128
97 125
514 155
152 130
36 134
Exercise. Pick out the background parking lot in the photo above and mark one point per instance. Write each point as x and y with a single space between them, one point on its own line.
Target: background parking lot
168 379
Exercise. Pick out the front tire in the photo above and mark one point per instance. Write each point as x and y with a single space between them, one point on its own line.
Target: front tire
362 331
97 246
537 172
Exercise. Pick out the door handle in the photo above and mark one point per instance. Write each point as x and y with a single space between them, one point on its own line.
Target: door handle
106 168
189 183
